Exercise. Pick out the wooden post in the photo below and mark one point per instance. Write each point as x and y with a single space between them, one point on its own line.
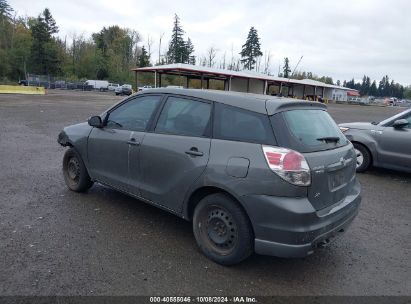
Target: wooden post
155 79
304 92
135 77
281 89
315 93
188 82
229 84
208 83
248 85
265 87
202 78
159 80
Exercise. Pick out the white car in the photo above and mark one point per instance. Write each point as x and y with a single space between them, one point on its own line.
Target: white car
112 86
146 87
125 89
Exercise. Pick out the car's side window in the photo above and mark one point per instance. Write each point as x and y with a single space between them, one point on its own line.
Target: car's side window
236 124
409 121
135 114
183 116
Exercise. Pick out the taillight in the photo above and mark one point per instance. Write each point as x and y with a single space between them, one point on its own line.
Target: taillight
288 164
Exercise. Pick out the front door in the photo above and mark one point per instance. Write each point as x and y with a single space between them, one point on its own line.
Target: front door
395 145
176 153
114 149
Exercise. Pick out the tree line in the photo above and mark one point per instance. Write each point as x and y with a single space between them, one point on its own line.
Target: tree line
31 45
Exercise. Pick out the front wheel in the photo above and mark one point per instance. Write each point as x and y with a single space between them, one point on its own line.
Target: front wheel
222 230
363 157
75 172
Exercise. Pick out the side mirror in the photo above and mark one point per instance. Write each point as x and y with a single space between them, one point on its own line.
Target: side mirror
400 123
95 121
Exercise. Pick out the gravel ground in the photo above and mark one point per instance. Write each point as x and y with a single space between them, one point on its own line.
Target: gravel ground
56 242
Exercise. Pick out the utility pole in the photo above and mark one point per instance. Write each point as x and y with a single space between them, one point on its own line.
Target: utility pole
159 48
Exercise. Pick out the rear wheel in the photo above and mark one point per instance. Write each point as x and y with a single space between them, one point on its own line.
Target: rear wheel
222 230
363 157
75 172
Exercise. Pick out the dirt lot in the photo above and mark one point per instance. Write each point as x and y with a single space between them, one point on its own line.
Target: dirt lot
56 242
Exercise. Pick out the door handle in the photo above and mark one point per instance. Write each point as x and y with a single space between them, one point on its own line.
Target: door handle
194 152
133 142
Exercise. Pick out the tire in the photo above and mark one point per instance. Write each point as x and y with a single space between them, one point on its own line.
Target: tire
363 157
75 172
222 230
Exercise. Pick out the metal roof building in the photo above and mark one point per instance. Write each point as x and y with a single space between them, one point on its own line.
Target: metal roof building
248 81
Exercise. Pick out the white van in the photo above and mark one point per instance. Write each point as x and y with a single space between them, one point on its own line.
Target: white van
101 85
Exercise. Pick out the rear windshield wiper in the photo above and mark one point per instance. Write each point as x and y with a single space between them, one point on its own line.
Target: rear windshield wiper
329 138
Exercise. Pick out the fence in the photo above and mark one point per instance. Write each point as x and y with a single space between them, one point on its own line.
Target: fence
50 82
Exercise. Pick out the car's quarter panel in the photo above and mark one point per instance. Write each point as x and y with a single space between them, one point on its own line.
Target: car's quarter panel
259 178
167 170
108 151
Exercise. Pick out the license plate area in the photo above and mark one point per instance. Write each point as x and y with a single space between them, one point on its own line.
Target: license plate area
338 179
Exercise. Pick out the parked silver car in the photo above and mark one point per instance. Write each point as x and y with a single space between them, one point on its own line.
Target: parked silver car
253 173
385 144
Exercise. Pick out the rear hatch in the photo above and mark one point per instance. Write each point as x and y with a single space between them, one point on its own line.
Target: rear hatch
330 156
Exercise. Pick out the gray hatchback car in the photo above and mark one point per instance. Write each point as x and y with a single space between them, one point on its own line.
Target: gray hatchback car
254 173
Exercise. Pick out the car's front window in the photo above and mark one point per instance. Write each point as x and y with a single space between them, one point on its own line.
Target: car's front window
133 115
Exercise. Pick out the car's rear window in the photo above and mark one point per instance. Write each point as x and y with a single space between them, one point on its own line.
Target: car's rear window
307 130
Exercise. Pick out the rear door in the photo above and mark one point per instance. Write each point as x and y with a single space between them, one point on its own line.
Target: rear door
329 154
394 145
176 152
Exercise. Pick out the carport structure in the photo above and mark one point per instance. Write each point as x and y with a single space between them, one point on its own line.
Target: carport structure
246 81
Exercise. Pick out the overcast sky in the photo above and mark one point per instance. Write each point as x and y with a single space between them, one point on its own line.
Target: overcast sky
341 39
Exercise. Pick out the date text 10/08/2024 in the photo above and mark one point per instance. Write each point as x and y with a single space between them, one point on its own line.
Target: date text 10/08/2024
202 299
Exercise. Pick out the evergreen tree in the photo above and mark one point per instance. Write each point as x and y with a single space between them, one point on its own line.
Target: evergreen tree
286 68
251 50
44 49
188 53
365 86
373 89
177 47
144 58
38 48
52 28
5 10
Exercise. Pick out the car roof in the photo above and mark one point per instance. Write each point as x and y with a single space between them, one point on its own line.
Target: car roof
253 102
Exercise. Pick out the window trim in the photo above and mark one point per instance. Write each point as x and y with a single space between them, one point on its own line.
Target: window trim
130 99
209 132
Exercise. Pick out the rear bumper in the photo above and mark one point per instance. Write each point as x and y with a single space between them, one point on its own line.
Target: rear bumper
291 227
